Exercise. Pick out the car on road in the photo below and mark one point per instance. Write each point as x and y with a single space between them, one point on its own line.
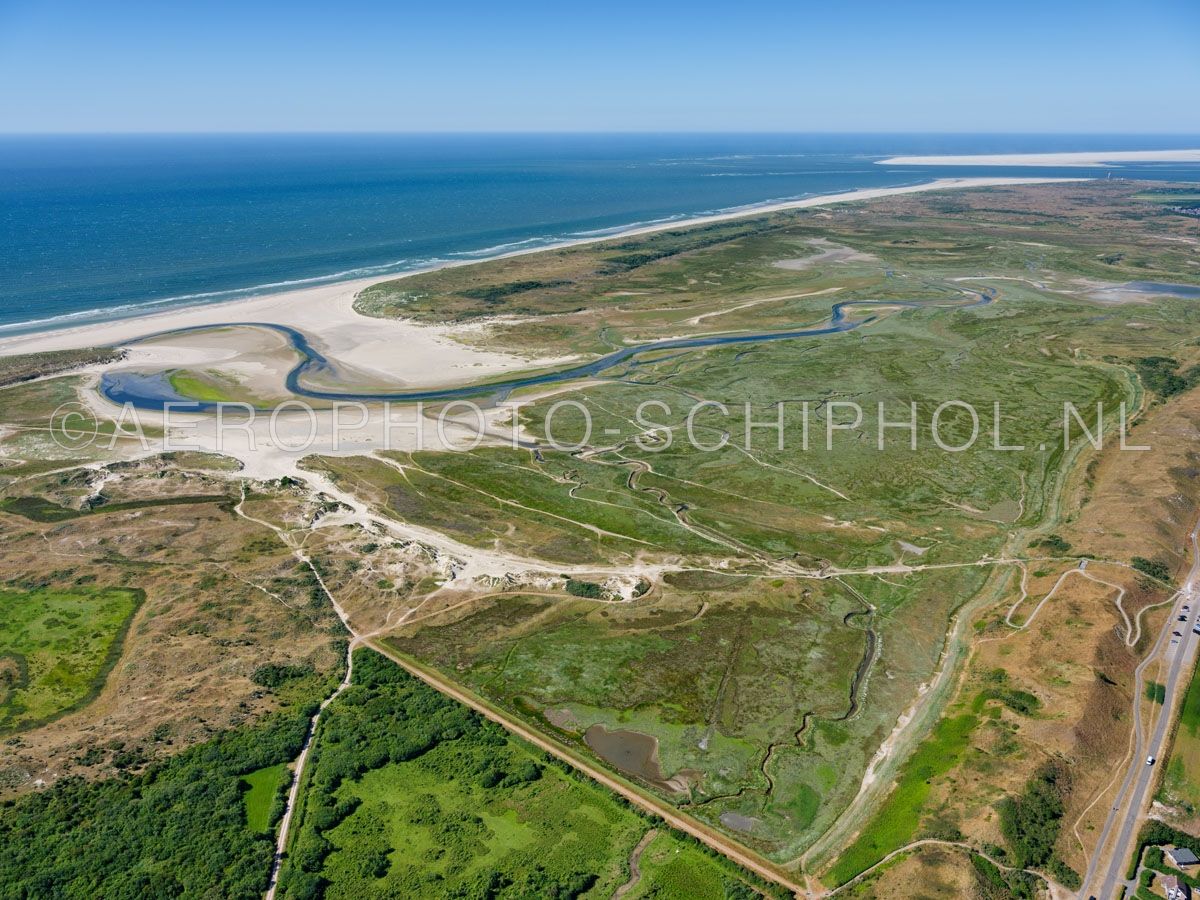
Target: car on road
1183 618
1149 760
1176 633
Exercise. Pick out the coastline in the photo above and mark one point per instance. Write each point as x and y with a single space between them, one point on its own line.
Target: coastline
1087 159
400 351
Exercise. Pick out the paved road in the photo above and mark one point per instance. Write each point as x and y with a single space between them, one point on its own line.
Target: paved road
1127 808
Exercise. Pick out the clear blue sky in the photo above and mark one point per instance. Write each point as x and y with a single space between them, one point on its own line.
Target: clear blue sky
352 65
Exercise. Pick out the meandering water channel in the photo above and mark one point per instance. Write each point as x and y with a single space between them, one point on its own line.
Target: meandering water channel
153 391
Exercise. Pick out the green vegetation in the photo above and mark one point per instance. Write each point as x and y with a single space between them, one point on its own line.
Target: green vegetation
15 369
498 292
675 868
273 675
1155 692
1031 822
1181 783
56 649
1169 195
721 680
898 820
1161 374
412 794
1053 543
999 688
179 829
996 884
263 795
587 589
1152 568
39 509
198 387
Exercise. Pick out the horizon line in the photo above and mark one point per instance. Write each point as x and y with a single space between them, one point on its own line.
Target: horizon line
580 132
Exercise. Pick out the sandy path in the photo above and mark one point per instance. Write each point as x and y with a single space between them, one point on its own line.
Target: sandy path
635 873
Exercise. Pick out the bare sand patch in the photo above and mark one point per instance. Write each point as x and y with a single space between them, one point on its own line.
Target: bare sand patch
829 252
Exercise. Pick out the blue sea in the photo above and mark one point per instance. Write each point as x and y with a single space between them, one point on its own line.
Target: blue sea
103 226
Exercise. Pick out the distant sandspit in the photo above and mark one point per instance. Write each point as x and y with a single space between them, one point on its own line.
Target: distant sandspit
1089 159
396 351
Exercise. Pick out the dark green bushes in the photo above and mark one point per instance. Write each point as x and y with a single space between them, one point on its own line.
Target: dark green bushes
1161 375
1031 822
1151 567
1053 543
176 830
497 292
588 589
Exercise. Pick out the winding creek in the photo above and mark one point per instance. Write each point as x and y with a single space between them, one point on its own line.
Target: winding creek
153 391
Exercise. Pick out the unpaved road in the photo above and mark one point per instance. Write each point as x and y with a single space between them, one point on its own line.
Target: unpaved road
635 873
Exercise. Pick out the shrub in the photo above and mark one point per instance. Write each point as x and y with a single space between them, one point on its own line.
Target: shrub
272 675
588 589
1152 568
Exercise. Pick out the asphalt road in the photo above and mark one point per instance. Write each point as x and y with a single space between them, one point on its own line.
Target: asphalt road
1126 812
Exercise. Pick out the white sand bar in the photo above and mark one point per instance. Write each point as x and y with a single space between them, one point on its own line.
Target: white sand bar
1089 159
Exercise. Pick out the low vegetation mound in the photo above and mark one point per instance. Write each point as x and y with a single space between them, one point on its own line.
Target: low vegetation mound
1031 821
1161 375
15 369
56 648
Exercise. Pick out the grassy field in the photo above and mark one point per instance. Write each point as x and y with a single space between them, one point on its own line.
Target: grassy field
1181 784
202 387
899 818
1168 196
673 870
56 648
262 788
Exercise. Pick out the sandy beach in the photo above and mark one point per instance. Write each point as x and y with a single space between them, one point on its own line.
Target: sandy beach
391 350
1090 159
